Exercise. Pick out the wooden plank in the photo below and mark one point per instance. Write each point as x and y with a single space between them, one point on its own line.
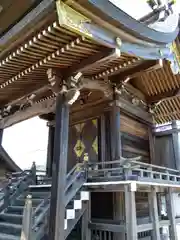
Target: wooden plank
133 127
171 215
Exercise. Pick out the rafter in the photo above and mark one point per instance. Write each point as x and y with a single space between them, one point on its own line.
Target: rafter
135 71
104 56
163 96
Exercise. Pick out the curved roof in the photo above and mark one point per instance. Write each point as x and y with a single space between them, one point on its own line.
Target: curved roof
74 44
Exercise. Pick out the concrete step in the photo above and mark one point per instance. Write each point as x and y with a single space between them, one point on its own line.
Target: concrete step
8 237
9 228
11 218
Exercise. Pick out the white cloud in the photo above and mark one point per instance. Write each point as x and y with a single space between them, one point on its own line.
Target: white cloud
27 142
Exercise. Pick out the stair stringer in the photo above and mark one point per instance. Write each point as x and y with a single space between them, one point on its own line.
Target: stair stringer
78 210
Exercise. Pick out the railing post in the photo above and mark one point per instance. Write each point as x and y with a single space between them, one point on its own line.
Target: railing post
33 171
26 233
130 209
6 195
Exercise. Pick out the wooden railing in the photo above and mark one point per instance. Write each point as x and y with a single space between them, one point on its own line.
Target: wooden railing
132 169
37 225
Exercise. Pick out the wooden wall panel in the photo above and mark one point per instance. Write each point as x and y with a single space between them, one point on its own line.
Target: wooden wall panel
164 150
134 138
83 138
133 127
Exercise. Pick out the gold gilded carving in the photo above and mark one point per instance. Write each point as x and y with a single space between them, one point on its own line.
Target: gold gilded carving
71 19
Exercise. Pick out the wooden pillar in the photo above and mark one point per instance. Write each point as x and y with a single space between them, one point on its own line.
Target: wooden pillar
171 215
151 145
50 149
176 145
57 208
102 139
116 153
116 150
130 208
153 210
1 136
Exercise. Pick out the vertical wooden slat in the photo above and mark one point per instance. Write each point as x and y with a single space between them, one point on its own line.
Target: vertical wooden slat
154 213
171 214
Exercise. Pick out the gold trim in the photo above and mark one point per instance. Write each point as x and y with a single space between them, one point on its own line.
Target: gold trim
174 48
72 20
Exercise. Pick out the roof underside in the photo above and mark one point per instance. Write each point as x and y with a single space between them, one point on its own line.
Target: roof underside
24 70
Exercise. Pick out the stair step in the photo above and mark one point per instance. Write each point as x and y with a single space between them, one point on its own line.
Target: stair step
16 174
8 237
11 218
42 186
36 195
82 195
75 204
15 210
21 202
70 214
9 228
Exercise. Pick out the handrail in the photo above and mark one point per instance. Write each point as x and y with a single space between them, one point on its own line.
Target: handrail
71 178
8 186
27 219
11 192
74 169
41 204
132 161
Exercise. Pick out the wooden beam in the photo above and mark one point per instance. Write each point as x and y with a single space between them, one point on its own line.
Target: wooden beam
135 92
133 110
36 109
134 71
